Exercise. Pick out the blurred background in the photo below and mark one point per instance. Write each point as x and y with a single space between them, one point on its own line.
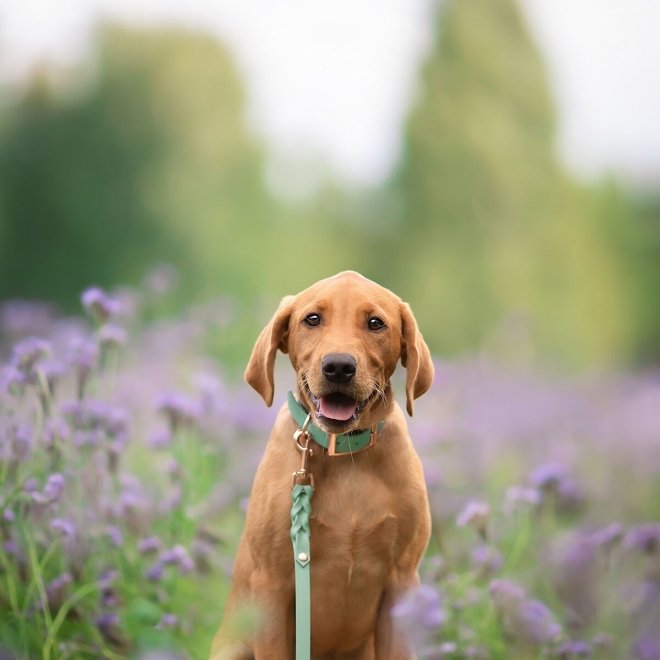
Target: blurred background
497 164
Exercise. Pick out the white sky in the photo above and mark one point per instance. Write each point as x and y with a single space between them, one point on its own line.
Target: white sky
335 79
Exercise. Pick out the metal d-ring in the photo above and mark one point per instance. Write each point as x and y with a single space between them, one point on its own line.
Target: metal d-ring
302 432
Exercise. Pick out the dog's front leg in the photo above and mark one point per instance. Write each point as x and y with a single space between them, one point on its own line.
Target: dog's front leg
274 638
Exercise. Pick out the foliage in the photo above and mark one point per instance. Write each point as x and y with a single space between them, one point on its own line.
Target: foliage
126 455
494 226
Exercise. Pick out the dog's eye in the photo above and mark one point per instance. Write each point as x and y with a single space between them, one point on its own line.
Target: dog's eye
375 323
312 319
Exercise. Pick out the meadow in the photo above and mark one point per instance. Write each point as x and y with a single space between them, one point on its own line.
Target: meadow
127 452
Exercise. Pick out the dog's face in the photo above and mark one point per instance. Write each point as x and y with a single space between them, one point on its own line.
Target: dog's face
344 335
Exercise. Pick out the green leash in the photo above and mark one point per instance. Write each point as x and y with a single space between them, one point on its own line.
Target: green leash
302 489
301 497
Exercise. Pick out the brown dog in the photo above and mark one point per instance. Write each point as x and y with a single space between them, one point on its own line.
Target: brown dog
370 521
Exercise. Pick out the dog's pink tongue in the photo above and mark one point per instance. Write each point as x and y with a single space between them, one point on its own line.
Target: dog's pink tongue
339 409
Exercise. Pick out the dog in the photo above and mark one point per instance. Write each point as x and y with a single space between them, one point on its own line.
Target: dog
370 521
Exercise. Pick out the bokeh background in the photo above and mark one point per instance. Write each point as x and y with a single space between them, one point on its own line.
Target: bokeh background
494 162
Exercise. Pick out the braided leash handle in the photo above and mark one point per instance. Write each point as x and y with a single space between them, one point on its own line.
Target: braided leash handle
301 508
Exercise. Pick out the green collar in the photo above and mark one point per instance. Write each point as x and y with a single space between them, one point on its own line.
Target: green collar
346 443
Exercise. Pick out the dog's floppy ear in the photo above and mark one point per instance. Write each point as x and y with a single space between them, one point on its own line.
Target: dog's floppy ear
416 357
259 371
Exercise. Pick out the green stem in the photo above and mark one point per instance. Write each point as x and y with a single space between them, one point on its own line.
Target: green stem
37 578
55 625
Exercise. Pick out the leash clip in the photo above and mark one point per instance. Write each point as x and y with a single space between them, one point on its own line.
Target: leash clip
302 437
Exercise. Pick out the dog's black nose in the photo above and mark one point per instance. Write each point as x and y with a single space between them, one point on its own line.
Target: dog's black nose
338 367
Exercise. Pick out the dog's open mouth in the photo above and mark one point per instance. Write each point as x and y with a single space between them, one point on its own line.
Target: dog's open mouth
337 408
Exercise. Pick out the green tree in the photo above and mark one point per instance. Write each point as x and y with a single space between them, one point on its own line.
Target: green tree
151 162
495 230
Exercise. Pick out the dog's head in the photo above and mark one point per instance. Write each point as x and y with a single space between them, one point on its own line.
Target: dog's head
344 336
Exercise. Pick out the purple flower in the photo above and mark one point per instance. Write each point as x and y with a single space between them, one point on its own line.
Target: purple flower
574 649
56 591
608 537
155 572
60 582
28 353
644 538
178 555
529 620
506 595
99 304
108 625
111 336
52 490
548 476
477 515
180 410
12 380
149 545
534 623
575 578
168 621
647 647
64 526
486 560
419 613
159 439
115 535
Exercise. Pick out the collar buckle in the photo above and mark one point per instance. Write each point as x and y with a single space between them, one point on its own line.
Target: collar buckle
332 444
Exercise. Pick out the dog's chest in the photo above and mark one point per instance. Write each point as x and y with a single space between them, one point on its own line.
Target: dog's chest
354 527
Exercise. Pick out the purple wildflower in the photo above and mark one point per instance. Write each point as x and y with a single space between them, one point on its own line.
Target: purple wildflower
115 535
56 591
149 545
12 380
529 620
575 578
52 490
419 613
506 595
486 560
28 353
178 555
534 623
111 336
108 596
159 439
608 537
179 409
108 625
155 572
477 515
574 649
99 304
548 476
168 621
64 526
644 538
647 646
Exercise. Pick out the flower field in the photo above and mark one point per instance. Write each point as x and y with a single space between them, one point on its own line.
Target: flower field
127 453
